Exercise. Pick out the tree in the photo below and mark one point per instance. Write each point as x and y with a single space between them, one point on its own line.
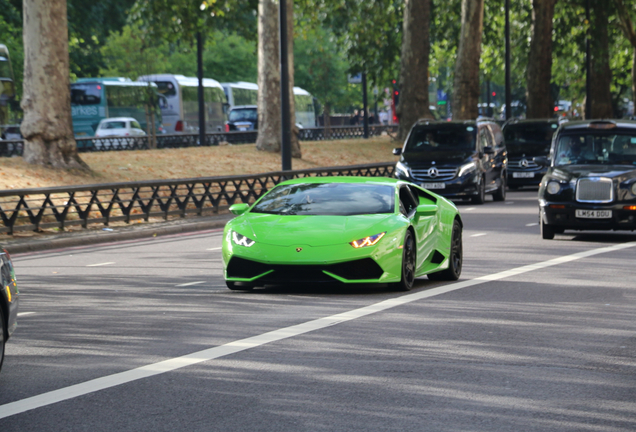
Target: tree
539 73
414 101
269 85
47 126
600 74
627 26
466 86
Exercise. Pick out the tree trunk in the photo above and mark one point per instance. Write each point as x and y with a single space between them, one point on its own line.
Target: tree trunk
295 143
601 74
47 126
414 103
539 73
269 103
466 85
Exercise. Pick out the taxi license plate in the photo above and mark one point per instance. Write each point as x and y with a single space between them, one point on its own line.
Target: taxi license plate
242 128
594 214
434 185
522 175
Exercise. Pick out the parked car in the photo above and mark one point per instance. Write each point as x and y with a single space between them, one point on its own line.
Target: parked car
242 118
116 127
525 140
9 300
457 159
350 230
591 180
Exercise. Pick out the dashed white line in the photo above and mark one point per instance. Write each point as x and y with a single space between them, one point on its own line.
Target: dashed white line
20 314
191 283
479 234
532 224
469 209
214 248
100 264
510 202
172 364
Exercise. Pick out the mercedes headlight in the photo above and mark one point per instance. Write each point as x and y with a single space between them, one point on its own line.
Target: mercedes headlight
367 241
467 169
241 240
402 169
553 188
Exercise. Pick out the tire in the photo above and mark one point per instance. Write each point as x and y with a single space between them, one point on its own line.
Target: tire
456 258
409 252
480 198
2 340
500 193
235 287
547 231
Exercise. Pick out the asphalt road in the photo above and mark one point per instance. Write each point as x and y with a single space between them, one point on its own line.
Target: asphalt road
144 336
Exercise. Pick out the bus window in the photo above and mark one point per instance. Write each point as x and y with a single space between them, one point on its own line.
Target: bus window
86 94
245 96
166 88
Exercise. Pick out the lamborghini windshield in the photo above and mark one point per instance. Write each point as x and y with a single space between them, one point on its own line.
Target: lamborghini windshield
327 199
442 137
596 148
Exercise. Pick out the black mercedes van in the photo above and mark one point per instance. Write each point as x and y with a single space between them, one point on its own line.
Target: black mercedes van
457 159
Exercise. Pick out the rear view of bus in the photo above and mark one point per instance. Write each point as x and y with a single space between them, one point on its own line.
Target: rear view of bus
181 110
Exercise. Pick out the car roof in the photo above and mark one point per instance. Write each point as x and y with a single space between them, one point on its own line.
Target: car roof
531 121
386 181
106 120
597 124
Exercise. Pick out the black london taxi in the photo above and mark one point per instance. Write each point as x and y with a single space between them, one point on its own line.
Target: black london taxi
591 180
9 299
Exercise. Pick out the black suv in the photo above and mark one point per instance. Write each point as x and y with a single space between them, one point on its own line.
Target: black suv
458 159
591 180
525 140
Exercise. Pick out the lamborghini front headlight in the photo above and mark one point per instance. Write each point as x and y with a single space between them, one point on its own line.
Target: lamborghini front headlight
241 240
367 241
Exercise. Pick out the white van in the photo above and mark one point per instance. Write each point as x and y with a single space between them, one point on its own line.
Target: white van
181 111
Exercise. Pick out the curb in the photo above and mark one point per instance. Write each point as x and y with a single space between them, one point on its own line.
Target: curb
93 237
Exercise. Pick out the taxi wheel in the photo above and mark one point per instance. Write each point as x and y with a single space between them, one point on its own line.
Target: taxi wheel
500 193
480 198
547 231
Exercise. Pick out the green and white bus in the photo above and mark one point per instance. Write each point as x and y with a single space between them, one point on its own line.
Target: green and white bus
94 99
246 94
181 111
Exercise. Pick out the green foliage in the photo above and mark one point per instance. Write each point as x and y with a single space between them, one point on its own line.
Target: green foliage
11 36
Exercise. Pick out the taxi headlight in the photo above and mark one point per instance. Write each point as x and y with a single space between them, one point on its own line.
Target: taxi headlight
553 188
241 240
633 189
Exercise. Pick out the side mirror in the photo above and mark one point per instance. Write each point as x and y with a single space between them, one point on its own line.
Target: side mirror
397 151
542 161
426 209
239 209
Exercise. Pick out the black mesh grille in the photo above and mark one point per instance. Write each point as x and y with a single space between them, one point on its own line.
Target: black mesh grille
351 270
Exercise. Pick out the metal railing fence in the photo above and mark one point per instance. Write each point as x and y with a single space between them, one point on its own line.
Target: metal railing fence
64 206
15 148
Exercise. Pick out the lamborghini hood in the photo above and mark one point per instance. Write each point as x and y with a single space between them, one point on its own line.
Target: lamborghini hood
310 230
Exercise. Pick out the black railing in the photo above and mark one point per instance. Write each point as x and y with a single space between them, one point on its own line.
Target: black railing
59 207
15 148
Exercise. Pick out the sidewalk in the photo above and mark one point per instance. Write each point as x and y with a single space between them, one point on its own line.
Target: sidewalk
90 236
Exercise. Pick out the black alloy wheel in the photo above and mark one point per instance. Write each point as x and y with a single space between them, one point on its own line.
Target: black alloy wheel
547 231
500 193
456 258
408 263
480 198
1 337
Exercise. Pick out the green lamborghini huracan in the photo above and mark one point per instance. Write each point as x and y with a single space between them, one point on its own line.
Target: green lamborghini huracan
343 230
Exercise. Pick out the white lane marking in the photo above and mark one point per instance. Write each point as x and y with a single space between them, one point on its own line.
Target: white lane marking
169 365
532 224
509 202
25 313
469 209
190 284
479 234
100 264
214 248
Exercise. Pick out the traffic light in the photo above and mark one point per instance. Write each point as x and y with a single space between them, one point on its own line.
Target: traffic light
395 100
494 94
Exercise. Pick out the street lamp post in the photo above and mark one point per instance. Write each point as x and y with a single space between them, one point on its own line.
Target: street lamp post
507 77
